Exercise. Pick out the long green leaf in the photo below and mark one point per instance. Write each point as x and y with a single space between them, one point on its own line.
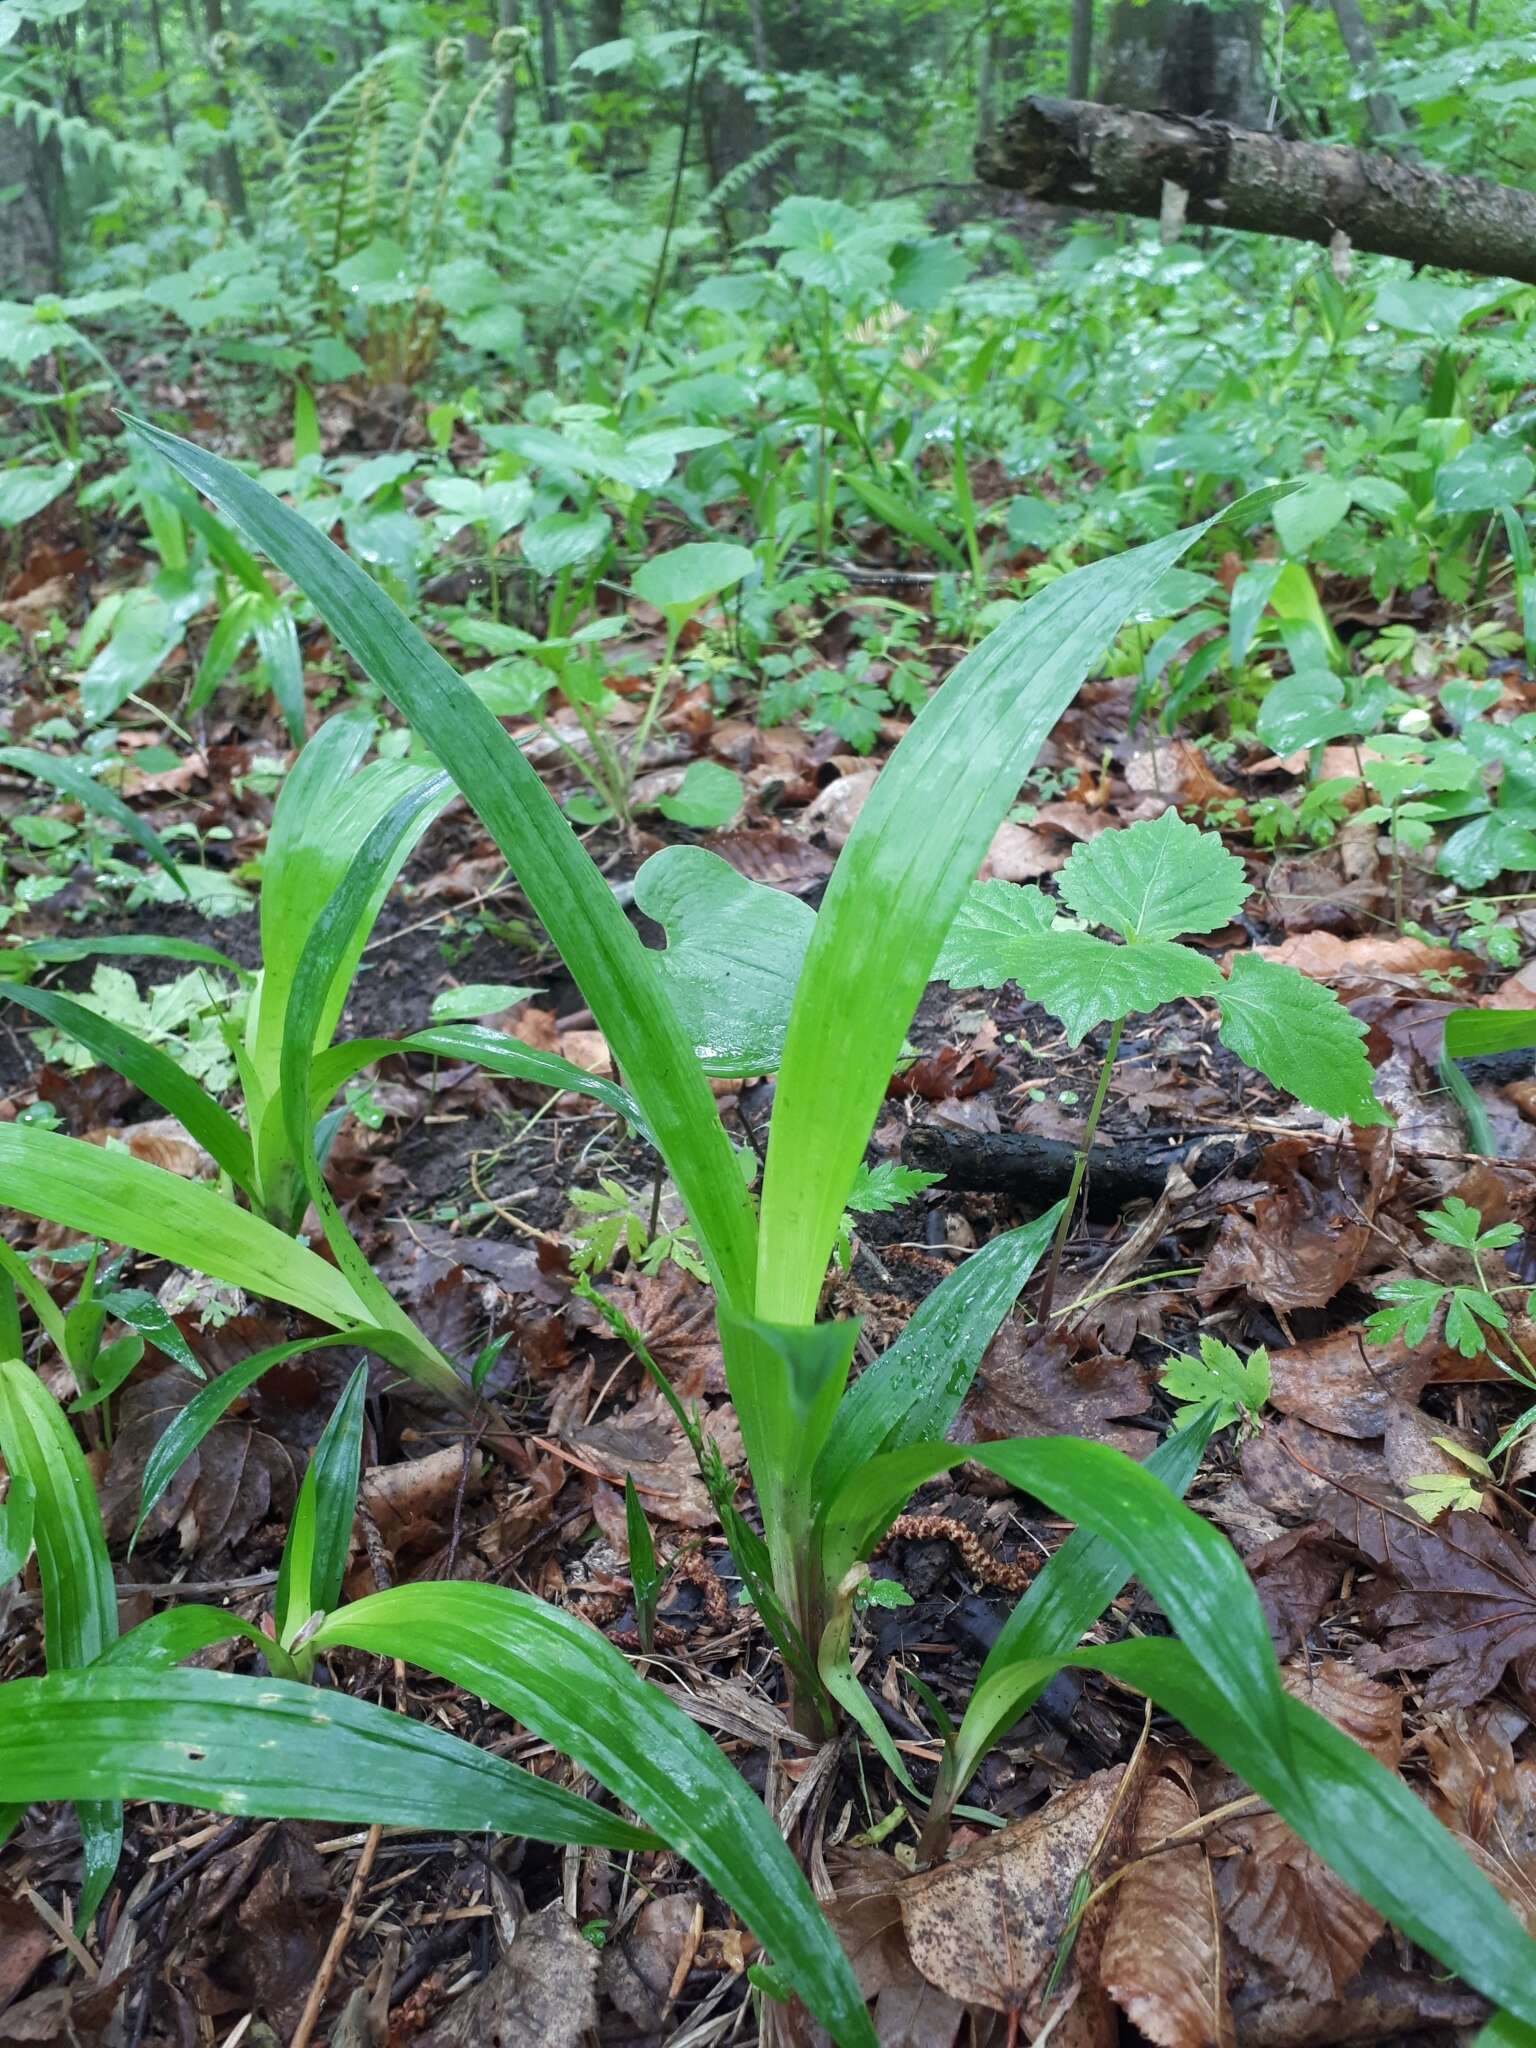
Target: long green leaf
151 1071
74 782
1221 1680
56 952
79 1593
475 1044
895 890
561 1679
114 1196
319 1535
268 1746
1470 1034
913 1391
569 896
192 1423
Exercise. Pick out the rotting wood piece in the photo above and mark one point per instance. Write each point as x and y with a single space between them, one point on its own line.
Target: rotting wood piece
1110 159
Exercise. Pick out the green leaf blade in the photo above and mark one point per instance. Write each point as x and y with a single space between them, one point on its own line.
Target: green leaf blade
1300 1036
1159 879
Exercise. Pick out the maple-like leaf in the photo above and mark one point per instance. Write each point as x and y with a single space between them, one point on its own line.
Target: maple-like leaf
1239 1387
980 949
1155 880
878 1189
1085 980
1300 1036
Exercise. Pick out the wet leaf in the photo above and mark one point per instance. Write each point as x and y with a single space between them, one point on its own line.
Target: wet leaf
1162 1956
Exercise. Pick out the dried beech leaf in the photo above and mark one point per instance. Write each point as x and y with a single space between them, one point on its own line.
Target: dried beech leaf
1488 1798
1161 1961
984 1928
542 1994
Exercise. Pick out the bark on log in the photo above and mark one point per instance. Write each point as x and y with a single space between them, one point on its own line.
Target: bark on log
1108 159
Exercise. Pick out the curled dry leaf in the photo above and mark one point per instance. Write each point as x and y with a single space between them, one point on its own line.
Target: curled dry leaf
1328 958
412 1502
1029 1385
1341 1383
1161 1961
985 1927
1280 1900
834 809
1178 772
1019 854
637 1970
1302 1242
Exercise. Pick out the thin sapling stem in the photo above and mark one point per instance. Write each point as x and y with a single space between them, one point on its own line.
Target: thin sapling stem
1079 1168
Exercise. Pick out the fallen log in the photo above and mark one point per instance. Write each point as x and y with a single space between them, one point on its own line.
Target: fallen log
1110 159
1040 1169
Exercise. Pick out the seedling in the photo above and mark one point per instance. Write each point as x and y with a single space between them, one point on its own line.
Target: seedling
1150 885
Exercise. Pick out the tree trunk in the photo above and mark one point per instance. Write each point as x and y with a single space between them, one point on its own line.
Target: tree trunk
607 22
1112 160
157 37
29 248
227 156
1181 57
1080 51
506 98
1386 115
549 60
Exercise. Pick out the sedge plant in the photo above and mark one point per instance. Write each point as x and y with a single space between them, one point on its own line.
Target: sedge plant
832 1463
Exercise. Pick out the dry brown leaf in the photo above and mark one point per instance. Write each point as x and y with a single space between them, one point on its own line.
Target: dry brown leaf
984 1928
1487 1797
1279 1899
774 857
1383 2002
542 1993
1457 1600
1328 958
637 1969
1516 993
412 1502
159 1142
835 808
1300 1243
587 1050
1018 854
647 1445
1161 1961
24 1943
1030 1385
909 2012
1343 1384
1178 771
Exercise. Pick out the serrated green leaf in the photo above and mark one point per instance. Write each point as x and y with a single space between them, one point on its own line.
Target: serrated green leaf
1156 880
1218 1379
878 1189
979 949
1300 1036
1413 1302
1083 980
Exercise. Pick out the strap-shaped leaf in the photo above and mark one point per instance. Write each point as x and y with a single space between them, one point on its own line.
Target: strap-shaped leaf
979 949
320 1533
732 958
113 1196
477 1045
74 782
1155 880
158 945
895 891
1469 1034
271 1747
562 1680
152 1072
1300 1036
1220 1679
79 1594
569 896
191 1424
1085 980
913 1391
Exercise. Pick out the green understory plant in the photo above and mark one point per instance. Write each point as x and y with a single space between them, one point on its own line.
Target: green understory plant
833 1463
1151 885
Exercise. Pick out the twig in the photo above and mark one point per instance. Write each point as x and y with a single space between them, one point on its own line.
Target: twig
340 1936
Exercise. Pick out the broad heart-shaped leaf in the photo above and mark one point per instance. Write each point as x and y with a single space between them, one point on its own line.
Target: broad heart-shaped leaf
79 1594
1303 710
710 796
1156 880
732 957
1300 1036
683 578
1084 980
270 1747
978 951
561 1679
562 539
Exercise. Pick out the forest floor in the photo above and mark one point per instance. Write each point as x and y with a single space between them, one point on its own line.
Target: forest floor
1215 1206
